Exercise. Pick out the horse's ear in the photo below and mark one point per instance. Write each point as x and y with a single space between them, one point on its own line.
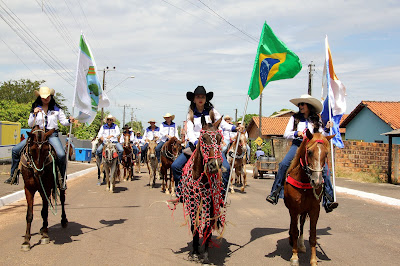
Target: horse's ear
309 134
203 121
330 137
216 124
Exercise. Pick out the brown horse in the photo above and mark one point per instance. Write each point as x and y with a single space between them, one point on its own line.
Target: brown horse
39 171
71 151
127 157
152 163
303 191
169 152
202 188
137 159
240 161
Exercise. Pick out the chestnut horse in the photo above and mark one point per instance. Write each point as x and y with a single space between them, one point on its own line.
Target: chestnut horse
152 163
39 171
303 191
169 152
127 157
202 188
240 161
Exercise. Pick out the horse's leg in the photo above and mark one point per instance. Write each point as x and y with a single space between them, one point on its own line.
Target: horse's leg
301 246
64 220
244 177
314 215
293 236
208 233
44 231
107 171
171 182
113 172
29 217
196 237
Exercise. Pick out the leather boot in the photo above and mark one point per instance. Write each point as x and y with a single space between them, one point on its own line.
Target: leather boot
14 179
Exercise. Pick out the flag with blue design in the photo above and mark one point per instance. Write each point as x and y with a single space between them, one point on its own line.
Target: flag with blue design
336 97
274 61
89 96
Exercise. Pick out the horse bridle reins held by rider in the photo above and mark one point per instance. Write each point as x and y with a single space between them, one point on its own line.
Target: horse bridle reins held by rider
206 148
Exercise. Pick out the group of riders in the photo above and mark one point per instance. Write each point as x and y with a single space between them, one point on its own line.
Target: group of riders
46 113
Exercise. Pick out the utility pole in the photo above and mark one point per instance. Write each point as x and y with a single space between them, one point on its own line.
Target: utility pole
236 116
259 130
310 74
123 119
104 88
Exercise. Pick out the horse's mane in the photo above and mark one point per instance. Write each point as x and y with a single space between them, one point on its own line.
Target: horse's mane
302 149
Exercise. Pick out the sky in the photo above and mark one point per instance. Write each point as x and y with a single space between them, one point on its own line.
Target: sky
172 46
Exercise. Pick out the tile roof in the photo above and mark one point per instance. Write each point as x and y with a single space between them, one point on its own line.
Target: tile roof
272 125
389 112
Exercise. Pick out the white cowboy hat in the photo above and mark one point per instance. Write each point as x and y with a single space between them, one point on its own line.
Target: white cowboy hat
109 117
227 117
305 98
44 92
152 121
169 115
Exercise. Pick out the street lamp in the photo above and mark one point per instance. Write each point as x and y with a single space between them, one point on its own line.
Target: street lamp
131 77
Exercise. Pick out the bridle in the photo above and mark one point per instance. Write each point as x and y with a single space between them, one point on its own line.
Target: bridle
169 155
39 144
206 148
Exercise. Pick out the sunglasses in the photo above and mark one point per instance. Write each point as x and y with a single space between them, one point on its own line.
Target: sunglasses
108 119
301 104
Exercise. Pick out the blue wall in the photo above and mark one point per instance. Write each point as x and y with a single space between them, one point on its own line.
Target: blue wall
368 127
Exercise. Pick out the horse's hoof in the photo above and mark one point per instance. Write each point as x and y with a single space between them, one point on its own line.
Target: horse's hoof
64 223
44 240
294 262
242 189
25 247
313 262
167 192
232 191
194 257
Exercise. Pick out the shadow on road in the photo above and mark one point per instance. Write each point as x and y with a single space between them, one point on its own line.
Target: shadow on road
64 235
120 189
284 250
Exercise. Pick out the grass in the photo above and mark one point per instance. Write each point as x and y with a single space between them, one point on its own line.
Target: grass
364 177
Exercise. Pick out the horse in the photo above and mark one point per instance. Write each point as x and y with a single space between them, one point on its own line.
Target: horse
152 163
127 157
240 161
39 171
169 152
110 164
71 156
137 158
202 188
303 191
95 144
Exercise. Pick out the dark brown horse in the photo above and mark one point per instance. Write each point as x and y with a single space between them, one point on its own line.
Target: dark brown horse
38 168
127 157
169 152
303 191
71 151
202 188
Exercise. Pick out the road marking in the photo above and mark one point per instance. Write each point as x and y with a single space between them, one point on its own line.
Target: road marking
362 194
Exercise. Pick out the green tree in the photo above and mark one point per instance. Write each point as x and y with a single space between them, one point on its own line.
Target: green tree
136 126
13 111
247 119
282 110
20 91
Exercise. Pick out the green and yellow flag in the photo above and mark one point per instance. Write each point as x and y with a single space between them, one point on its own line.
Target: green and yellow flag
274 61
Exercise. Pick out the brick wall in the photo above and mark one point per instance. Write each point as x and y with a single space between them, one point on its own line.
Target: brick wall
366 157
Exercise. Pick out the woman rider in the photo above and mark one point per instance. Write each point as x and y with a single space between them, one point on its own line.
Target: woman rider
200 106
168 130
306 118
45 113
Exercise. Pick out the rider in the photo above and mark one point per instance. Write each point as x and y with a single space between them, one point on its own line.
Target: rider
200 105
151 132
46 114
139 140
109 131
247 145
259 152
227 133
132 138
168 130
306 118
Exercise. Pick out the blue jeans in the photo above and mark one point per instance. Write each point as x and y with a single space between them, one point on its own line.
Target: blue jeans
180 162
144 152
158 150
283 167
117 145
54 141
135 150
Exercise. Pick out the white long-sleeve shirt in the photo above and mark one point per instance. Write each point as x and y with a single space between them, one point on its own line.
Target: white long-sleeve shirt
150 134
194 128
132 137
166 130
51 118
106 131
301 126
139 140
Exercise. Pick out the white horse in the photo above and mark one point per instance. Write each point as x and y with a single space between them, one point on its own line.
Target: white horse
110 160
95 144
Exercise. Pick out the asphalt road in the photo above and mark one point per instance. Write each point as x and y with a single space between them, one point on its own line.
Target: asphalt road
134 227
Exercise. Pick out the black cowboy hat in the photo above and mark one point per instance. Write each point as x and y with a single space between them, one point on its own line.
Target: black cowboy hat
200 90
126 126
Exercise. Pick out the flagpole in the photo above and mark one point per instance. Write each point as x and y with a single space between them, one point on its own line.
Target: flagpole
328 83
234 156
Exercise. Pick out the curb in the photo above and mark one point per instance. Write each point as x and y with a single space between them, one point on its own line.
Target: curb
18 195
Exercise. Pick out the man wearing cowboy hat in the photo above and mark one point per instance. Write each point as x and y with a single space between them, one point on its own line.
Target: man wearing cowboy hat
152 132
132 138
109 131
139 140
227 132
167 130
239 123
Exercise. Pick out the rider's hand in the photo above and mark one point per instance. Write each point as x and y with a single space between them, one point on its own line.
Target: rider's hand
300 134
102 139
37 110
109 137
329 124
240 128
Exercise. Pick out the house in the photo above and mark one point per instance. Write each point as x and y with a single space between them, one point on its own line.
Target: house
271 127
370 119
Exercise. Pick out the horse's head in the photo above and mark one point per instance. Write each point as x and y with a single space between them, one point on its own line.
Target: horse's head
95 144
38 148
127 139
176 146
315 154
109 151
151 150
210 146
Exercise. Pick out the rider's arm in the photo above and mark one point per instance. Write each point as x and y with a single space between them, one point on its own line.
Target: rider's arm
100 134
190 131
31 120
224 125
62 118
117 132
289 133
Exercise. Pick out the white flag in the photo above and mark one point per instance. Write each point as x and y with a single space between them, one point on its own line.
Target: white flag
89 96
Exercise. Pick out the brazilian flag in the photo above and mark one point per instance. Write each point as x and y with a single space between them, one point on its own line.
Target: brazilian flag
274 61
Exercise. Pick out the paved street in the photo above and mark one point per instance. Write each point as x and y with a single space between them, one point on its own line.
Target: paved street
134 227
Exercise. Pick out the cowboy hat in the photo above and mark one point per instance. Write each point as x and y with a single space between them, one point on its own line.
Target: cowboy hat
126 126
169 115
305 98
44 92
227 117
200 90
109 117
151 121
